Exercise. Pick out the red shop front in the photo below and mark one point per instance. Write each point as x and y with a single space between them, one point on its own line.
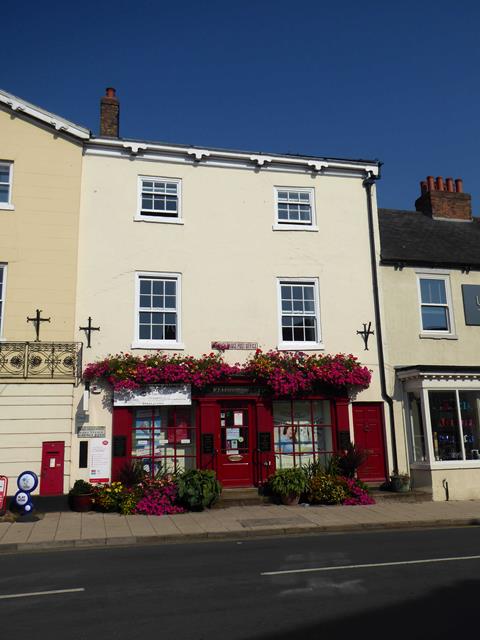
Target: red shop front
236 429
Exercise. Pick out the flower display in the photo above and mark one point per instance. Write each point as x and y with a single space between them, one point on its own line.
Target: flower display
284 373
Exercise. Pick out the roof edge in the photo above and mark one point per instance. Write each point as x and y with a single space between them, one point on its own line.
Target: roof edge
58 123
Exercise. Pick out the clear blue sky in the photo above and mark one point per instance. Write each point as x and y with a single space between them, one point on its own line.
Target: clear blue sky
397 81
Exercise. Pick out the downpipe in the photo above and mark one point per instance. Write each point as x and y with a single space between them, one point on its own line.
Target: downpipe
370 180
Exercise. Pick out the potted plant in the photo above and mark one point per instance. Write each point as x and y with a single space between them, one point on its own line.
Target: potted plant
288 484
399 482
81 496
198 489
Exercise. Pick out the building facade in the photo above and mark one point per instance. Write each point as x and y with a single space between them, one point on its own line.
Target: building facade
187 250
430 274
40 362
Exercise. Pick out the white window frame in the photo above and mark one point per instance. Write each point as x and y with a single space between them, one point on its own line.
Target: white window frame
3 267
144 217
434 274
158 344
299 346
8 206
283 225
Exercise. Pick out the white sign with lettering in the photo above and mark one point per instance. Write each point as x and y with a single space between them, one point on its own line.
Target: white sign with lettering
155 395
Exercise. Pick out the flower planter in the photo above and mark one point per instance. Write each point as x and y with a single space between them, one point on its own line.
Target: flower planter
290 500
82 502
399 484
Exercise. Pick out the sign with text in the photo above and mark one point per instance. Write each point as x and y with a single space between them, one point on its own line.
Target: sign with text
99 460
3 492
91 432
154 395
471 303
234 346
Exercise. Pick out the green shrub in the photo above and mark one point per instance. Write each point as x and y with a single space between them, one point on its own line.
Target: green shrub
286 482
326 489
81 488
198 489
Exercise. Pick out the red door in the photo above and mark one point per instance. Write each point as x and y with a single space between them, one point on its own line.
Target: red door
369 435
237 439
51 476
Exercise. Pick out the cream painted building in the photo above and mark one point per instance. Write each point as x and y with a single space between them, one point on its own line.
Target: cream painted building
181 248
40 177
430 277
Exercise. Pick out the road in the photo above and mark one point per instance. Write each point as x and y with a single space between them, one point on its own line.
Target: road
411 584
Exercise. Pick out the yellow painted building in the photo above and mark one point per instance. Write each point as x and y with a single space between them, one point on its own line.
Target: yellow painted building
40 180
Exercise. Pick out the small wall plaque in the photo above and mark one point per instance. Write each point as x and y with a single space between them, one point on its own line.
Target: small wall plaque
234 346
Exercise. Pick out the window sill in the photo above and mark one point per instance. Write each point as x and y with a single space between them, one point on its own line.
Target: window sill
157 344
139 218
438 336
443 465
7 207
301 346
294 227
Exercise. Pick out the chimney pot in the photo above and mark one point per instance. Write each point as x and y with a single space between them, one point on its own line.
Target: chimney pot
423 186
110 92
444 202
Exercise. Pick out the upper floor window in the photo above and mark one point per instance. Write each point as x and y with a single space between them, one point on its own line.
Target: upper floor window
3 282
294 208
159 199
6 173
299 314
435 303
157 311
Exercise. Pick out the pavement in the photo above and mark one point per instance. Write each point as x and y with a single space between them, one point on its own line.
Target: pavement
64 530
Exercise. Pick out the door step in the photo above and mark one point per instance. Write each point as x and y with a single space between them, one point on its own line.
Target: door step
241 497
393 496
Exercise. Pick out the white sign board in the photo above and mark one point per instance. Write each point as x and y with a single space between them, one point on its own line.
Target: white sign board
99 463
155 395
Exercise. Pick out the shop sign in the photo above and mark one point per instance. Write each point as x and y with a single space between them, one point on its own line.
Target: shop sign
99 460
471 303
233 391
91 432
3 492
155 395
234 346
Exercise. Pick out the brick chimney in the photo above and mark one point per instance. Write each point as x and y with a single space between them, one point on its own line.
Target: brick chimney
109 114
444 200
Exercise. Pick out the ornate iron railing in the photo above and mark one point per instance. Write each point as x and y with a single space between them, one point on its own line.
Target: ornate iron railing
40 360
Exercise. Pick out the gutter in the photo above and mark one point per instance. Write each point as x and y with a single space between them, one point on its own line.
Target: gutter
368 182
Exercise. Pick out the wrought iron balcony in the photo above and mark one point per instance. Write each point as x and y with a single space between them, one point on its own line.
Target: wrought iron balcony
41 360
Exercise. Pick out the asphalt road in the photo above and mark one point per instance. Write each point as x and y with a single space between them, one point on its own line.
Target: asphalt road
416 584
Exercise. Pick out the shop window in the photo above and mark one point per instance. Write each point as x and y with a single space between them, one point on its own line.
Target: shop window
163 439
417 430
455 439
302 432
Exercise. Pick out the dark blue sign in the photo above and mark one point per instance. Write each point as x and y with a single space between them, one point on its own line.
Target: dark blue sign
471 303
27 482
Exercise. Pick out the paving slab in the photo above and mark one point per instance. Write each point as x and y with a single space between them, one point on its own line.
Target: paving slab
93 526
140 526
18 532
69 526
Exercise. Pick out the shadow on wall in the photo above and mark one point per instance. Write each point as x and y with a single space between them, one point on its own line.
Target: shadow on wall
441 615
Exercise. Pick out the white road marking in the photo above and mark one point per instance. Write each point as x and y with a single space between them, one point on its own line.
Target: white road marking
40 593
367 566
